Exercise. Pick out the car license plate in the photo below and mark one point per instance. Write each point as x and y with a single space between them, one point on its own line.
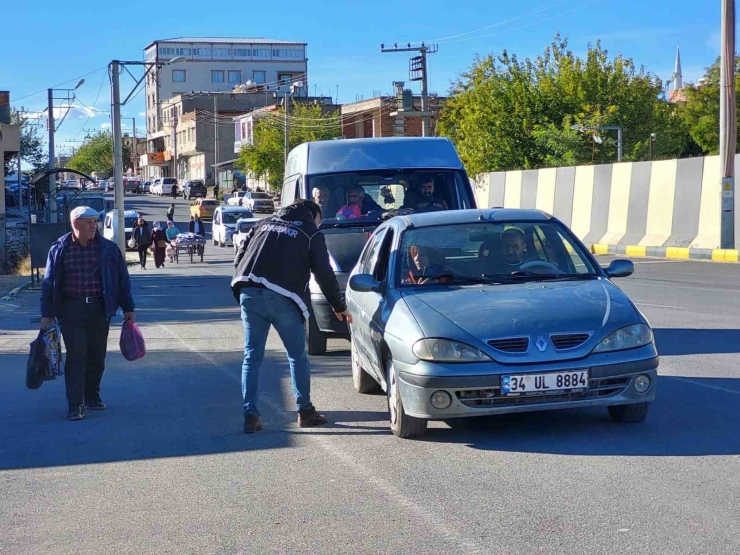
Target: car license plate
544 384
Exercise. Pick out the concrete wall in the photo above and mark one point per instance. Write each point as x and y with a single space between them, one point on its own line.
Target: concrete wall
666 204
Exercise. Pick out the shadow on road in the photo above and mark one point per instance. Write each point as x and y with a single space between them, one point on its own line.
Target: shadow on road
685 341
687 419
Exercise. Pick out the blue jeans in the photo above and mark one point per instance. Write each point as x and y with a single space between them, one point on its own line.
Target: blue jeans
262 308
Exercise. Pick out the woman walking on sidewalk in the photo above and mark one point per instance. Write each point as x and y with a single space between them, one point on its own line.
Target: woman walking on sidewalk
140 234
159 245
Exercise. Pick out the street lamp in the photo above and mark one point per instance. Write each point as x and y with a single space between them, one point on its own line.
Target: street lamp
69 98
114 70
298 85
617 128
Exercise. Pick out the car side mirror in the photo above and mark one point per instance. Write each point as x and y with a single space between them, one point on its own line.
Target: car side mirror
620 268
364 283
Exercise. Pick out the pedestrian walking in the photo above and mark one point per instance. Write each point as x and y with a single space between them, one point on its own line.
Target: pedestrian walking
171 213
272 270
159 245
174 191
196 226
215 191
141 237
85 282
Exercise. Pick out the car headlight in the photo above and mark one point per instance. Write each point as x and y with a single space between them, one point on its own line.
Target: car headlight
447 350
627 337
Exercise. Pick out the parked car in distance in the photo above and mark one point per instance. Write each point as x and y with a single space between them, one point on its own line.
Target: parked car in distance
203 208
224 223
132 185
481 312
110 225
147 187
155 187
259 202
193 188
237 198
243 225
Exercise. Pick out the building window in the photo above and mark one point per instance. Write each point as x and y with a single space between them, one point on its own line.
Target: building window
285 79
217 76
182 51
243 52
258 77
222 52
203 52
178 75
235 77
261 52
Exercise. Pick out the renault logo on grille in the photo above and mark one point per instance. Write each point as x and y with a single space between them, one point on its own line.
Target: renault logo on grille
541 344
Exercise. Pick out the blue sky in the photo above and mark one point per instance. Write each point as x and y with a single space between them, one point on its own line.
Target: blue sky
44 43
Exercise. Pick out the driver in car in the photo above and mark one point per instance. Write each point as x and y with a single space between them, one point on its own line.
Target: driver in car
514 247
424 267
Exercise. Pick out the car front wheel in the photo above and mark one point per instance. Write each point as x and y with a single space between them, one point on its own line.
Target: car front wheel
629 414
402 425
363 382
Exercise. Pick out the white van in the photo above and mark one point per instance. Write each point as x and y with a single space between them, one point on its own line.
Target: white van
110 225
224 223
386 168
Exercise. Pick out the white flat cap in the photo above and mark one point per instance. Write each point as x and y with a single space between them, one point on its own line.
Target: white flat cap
83 212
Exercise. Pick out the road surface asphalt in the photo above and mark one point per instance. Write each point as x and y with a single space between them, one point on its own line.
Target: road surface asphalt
167 469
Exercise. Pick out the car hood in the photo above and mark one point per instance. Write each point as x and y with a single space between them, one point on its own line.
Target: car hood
477 314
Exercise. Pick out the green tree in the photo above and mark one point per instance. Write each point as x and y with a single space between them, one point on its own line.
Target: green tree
506 114
265 158
701 111
33 151
96 154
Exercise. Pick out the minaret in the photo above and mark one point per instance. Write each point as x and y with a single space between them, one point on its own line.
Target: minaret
677 77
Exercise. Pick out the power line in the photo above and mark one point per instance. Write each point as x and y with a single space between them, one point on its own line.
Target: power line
95 104
53 87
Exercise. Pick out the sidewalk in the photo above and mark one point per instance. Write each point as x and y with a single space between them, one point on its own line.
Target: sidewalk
8 283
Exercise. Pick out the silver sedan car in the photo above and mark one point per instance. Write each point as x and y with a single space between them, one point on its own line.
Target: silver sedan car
479 312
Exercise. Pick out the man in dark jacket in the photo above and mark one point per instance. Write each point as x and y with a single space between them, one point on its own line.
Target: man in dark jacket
273 268
196 226
85 282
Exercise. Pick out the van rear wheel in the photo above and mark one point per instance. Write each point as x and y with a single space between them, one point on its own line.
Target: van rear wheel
315 338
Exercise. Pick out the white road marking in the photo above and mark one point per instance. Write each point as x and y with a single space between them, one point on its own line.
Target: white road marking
708 386
366 473
664 306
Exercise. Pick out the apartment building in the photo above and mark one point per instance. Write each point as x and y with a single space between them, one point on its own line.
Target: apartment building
207 64
380 117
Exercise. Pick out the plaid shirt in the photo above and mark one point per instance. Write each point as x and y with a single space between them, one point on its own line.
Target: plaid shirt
81 269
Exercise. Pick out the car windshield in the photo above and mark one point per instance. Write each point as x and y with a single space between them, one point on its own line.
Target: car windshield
196 183
365 195
488 252
232 217
209 203
244 227
169 181
262 196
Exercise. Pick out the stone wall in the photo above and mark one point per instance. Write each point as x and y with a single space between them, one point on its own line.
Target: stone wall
16 242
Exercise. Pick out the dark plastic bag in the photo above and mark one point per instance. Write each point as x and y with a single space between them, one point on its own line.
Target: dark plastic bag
38 367
132 342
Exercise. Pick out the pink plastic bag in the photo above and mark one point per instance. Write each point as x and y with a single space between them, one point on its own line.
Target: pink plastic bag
132 342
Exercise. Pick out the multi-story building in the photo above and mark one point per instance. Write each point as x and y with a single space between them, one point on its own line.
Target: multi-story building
380 117
220 64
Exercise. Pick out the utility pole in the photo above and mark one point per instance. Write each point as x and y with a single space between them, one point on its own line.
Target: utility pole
215 140
727 125
287 133
117 155
418 72
174 143
52 178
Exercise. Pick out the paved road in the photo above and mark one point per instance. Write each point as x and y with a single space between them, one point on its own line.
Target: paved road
167 470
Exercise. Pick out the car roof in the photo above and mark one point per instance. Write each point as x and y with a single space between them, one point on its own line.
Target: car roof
346 155
234 209
447 217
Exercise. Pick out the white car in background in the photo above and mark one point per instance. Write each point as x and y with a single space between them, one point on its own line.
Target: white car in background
224 223
258 201
110 224
237 198
243 226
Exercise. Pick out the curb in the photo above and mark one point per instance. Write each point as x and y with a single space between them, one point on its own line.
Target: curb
13 292
675 253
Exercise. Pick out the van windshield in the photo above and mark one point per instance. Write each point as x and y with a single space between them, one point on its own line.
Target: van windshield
365 195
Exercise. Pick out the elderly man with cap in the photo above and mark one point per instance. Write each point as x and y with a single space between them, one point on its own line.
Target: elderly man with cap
85 282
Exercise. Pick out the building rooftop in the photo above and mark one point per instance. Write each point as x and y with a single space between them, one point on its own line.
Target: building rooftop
226 40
